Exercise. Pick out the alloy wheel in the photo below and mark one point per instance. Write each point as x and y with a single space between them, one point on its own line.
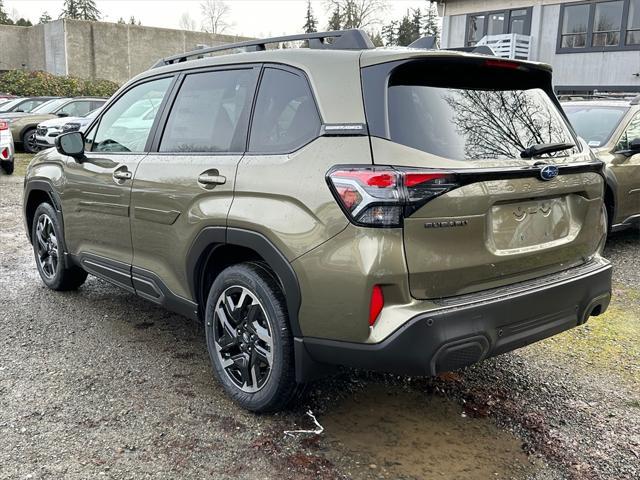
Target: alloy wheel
242 337
47 246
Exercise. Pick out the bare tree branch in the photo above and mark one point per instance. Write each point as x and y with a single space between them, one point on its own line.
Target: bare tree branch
215 13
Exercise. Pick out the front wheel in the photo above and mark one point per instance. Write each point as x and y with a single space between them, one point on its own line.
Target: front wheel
46 237
249 339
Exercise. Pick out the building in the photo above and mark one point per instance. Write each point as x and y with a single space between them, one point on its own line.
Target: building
93 50
592 45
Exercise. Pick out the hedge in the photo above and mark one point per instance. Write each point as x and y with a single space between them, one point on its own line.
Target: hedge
30 84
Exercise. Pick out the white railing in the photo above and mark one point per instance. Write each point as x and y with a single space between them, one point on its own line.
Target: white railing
508 45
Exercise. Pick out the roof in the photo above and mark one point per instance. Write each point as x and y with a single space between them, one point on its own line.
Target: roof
598 103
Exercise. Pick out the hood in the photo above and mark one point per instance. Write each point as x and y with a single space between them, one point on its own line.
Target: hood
59 121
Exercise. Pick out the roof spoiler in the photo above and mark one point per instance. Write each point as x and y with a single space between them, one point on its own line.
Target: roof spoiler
354 39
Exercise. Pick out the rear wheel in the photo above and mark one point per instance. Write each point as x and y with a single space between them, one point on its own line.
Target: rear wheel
46 237
7 166
248 338
29 141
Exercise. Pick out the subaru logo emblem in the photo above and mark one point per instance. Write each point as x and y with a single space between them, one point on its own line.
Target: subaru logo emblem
548 172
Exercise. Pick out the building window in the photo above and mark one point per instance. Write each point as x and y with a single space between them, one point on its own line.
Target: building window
599 26
497 23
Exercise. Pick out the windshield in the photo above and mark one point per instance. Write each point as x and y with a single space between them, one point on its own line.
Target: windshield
594 123
51 106
5 107
474 124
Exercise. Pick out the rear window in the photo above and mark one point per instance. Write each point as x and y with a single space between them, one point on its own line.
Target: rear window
594 123
466 111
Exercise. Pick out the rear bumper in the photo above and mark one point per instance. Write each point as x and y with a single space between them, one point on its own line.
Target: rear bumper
473 328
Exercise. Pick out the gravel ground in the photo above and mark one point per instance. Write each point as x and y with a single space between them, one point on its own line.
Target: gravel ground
100 384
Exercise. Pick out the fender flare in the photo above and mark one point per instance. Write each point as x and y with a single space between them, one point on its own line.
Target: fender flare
46 187
217 236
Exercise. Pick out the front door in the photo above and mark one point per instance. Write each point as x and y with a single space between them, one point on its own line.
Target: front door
627 172
96 202
186 183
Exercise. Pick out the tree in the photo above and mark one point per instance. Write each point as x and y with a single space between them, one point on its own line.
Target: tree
121 21
390 33
335 21
186 22
88 10
45 17
23 22
376 39
431 24
311 24
70 10
406 31
215 13
4 17
133 21
357 13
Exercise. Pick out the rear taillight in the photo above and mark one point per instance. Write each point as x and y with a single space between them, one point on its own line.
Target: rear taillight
383 196
4 153
4 125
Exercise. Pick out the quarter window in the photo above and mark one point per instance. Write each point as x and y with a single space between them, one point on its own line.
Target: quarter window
126 125
610 25
210 113
286 116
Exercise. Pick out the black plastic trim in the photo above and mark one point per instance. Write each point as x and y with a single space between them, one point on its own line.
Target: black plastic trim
118 273
43 186
150 286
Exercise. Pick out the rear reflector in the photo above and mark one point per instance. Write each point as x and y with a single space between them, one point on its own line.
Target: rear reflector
4 153
376 304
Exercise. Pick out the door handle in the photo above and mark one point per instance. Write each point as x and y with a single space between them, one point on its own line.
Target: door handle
122 175
207 179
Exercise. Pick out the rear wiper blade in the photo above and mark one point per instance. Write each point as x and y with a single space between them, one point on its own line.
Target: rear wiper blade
540 148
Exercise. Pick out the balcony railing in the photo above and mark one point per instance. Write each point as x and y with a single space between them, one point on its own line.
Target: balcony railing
508 45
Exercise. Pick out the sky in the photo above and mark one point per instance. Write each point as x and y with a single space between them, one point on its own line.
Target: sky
254 18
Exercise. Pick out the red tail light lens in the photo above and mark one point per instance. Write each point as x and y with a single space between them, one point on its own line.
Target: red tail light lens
383 196
376 304
4 125
4 153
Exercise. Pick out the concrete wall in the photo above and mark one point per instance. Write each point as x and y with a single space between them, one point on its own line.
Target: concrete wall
592 69
95 49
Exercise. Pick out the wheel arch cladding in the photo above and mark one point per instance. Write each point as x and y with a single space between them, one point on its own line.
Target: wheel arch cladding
216 248
37 192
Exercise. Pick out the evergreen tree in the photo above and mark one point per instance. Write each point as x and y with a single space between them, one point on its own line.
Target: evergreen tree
23 22
406 31
121 21
133 21
45 17
88 10
376 39
390 33
311 24
335 21
431 23
70 10
416 23
4 18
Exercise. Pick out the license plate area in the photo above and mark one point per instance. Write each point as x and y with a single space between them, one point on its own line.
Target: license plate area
530 225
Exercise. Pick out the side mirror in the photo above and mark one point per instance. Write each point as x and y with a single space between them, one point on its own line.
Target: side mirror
71 144
62 115
632 149
19 110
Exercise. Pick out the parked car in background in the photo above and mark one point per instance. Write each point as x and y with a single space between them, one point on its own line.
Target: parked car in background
426 211
47 131
612 129
23 105
23 125
6 148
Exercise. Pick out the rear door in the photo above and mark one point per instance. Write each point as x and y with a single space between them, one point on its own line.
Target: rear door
626 169
502 221
187 182
97 193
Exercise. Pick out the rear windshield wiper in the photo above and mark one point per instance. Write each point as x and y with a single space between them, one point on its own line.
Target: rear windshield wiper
540 148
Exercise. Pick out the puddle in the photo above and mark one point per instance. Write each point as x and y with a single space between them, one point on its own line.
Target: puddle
392 433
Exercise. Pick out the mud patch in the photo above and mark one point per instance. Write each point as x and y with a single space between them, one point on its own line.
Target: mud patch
405 434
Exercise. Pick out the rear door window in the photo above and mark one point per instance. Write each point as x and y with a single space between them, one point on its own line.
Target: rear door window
210 113
285 117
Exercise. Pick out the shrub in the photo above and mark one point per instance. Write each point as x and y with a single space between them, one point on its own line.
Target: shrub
29 84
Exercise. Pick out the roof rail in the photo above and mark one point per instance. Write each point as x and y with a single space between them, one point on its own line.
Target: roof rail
354 39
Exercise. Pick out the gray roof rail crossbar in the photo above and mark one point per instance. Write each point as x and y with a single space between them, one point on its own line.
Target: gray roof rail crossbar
354 39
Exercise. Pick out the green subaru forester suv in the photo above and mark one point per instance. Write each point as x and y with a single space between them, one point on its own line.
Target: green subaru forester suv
403 210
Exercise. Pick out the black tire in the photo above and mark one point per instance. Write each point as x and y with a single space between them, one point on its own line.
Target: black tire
7 166
46 232
262 294
29 144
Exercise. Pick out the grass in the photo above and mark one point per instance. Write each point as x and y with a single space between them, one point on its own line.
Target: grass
608 344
